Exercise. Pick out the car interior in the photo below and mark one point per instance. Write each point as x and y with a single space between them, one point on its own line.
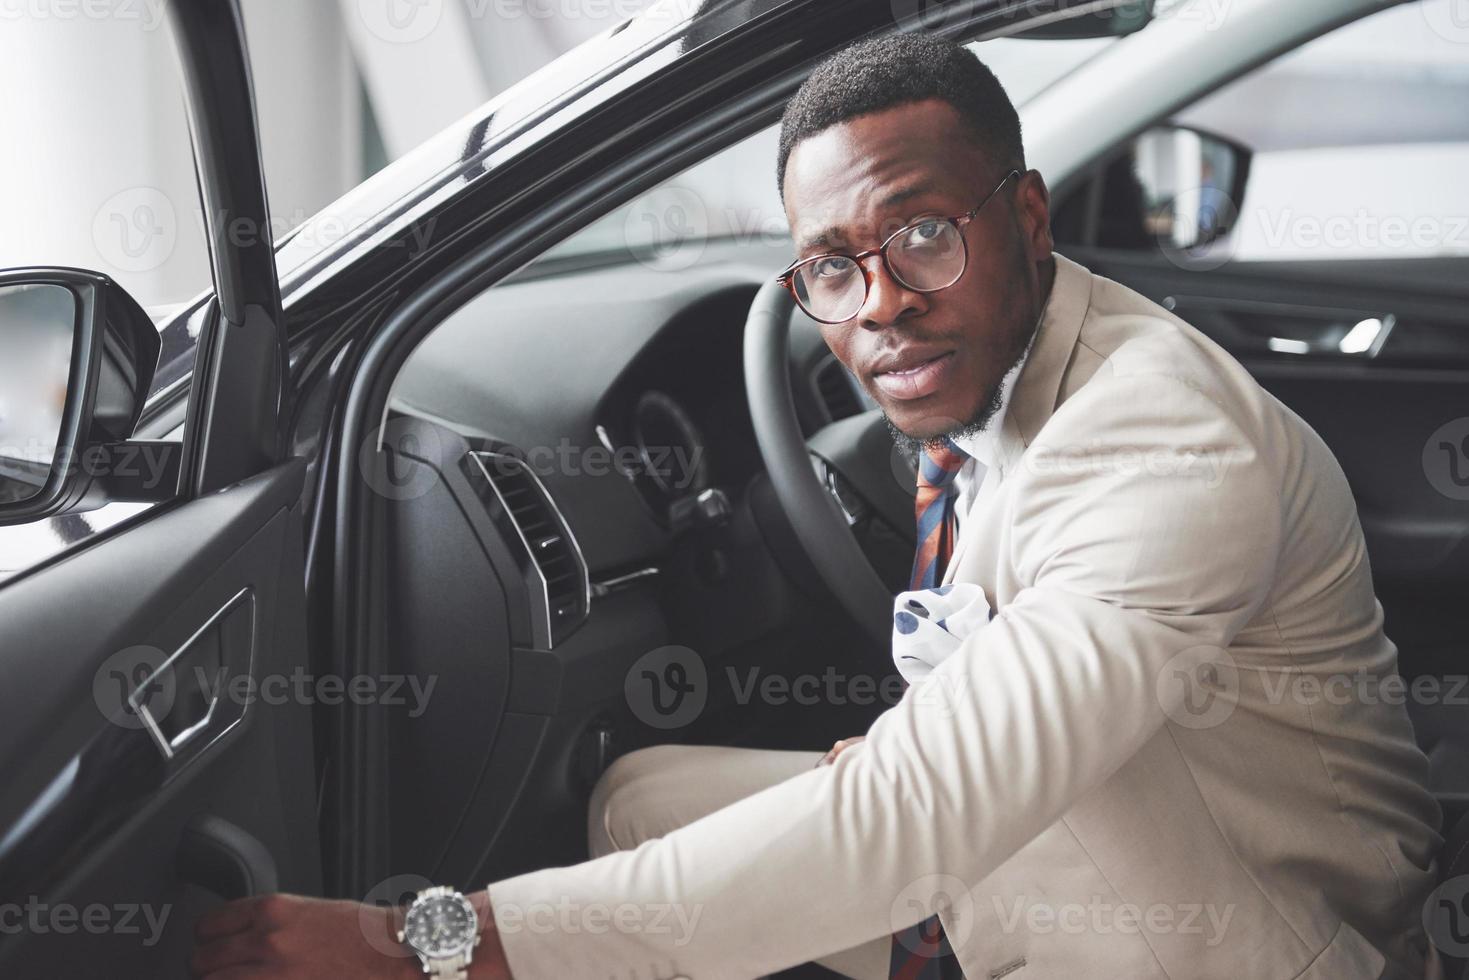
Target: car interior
535 585
573 503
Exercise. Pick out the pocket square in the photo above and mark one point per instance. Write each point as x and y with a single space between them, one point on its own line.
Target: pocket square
929 625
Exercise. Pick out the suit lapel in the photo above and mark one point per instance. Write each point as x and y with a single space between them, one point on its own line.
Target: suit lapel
1037 389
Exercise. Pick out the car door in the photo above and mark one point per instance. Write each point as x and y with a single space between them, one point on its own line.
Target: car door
156 709
1334 263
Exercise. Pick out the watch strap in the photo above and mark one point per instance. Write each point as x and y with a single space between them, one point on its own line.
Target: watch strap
454 967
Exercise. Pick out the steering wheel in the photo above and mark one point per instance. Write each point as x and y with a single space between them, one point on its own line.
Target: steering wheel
821 527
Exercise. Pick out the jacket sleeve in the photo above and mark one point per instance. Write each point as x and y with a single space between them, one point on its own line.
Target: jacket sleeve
1144 535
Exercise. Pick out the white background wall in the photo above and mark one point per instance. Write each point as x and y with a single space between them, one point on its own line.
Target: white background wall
96 169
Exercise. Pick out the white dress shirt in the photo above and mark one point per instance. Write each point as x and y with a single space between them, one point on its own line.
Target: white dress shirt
981 446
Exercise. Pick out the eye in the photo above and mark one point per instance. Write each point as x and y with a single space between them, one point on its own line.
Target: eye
927 232
832 267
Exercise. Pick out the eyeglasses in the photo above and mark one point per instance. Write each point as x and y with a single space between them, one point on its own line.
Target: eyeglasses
926 256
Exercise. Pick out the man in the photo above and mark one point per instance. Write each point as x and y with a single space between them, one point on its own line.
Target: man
1131 771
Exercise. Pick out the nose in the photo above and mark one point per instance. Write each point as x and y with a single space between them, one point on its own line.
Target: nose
888 300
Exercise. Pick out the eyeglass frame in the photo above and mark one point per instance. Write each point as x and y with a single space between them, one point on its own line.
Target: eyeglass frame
958 221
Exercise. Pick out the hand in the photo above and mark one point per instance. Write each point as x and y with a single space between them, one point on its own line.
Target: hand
288 937
839 748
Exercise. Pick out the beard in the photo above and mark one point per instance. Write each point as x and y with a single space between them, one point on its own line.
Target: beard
911 446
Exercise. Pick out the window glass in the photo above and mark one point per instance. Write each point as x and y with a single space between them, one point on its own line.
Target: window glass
1359 143
733 194
97 173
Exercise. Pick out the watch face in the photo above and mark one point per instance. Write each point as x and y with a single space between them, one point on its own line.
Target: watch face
440 925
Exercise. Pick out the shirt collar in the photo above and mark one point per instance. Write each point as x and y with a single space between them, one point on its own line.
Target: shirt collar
982 444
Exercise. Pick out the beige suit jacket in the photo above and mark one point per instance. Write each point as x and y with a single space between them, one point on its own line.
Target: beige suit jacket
1177 750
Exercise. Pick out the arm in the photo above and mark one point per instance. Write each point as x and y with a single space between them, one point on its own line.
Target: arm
1126 562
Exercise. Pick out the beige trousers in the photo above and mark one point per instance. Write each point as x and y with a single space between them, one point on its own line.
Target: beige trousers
646 794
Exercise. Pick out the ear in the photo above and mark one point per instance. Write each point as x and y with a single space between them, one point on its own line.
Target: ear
1033 206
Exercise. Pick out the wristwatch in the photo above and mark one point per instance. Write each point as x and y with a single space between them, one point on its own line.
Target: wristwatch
441 927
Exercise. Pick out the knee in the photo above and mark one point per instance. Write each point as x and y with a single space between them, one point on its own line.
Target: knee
618 816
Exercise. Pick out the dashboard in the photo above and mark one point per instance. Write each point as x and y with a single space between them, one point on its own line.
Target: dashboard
584 491
624 385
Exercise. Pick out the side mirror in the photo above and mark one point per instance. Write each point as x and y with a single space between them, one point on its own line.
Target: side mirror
77 356
1193 182
1172 189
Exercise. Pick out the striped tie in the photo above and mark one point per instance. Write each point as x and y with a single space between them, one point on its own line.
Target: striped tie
937 468
922 952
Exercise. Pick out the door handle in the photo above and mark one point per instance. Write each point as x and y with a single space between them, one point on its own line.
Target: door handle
180 703
225 859
1287 328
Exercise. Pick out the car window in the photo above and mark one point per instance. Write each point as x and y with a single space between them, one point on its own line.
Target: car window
1359 143
733 194
97 173
96 170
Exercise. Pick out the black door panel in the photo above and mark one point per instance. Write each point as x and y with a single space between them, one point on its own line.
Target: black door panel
94 815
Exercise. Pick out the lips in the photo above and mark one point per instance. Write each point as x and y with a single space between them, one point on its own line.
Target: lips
910 376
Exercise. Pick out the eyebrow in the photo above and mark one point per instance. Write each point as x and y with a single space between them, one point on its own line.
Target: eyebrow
824 238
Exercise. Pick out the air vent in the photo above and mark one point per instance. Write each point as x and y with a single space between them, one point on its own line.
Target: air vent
556 572
834 388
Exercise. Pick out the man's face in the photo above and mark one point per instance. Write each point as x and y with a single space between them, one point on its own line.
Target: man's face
932 361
